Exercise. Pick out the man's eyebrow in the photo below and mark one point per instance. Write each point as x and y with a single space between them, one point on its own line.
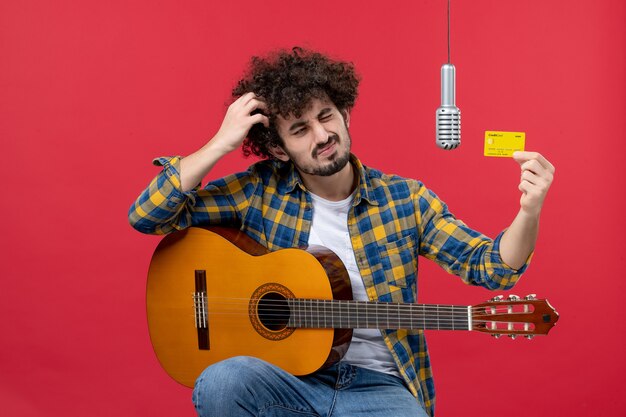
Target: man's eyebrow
324 112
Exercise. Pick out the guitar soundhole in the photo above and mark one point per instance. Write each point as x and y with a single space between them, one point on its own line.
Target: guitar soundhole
273 311
269 311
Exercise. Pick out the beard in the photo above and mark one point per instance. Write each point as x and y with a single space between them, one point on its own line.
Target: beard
339 161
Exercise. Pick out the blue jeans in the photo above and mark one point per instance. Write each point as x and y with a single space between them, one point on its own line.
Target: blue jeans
244 386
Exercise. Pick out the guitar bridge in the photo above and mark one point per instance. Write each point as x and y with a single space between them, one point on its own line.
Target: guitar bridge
201 310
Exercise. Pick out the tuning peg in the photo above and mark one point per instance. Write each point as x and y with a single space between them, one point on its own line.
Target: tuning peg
513 297
529 336
496 335
497 298
531 297
513 336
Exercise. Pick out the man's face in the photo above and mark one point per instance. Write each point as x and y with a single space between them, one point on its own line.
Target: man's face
318 142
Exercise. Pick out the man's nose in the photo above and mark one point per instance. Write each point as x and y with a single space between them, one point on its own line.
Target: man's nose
320 133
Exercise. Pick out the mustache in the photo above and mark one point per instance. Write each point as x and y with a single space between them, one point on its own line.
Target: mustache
331 139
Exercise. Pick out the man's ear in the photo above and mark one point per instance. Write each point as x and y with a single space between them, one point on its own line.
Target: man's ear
278 153
346 116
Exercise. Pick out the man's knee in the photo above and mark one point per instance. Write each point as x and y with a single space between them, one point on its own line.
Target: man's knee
230 379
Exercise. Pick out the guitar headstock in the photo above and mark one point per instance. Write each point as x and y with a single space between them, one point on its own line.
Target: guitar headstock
514 316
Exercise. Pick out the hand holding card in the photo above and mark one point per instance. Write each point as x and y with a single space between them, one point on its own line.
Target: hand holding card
536 178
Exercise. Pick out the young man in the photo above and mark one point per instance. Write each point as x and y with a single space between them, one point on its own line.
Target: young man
293 110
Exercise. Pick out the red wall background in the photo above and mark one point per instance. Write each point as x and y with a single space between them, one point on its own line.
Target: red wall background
90 91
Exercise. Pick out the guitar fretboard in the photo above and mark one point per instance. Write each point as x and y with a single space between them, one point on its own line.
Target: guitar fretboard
350 314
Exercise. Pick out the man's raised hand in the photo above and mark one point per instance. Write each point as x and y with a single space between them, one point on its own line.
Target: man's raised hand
536 178
238 121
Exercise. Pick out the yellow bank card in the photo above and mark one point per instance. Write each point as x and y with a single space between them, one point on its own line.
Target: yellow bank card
503 144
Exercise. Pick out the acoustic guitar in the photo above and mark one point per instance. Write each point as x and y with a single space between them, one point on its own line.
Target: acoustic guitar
215 293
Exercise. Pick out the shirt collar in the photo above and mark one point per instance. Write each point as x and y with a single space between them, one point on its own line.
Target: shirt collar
365 189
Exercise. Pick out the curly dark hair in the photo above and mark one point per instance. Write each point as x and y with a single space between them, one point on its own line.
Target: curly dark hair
288 81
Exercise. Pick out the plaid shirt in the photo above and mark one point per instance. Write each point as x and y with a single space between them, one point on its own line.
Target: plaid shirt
391 222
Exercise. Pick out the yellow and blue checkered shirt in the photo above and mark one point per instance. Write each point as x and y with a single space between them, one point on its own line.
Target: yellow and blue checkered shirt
391 222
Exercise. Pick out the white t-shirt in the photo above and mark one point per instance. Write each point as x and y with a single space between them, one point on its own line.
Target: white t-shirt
329 228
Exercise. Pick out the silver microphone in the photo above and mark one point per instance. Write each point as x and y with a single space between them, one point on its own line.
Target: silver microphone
448 114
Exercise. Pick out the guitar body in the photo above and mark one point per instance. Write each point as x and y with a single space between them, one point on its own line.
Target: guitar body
235 273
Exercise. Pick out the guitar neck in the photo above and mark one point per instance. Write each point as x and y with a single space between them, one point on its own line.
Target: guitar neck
350 314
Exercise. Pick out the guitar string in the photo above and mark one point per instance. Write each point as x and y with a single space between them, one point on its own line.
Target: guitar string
497 304
352 304
348 316
381 308
445 318
417 320
449 314
427 324
304 314
246 301
313 322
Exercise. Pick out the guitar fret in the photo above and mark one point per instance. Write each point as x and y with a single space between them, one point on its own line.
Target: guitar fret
362 313
452 316
437 316
398 316
339 315
317 307
328 314
386 314
291 312
376 314
328 311
349 317
320 314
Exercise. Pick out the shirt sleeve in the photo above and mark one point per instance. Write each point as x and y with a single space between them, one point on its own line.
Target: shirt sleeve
460 250
163 207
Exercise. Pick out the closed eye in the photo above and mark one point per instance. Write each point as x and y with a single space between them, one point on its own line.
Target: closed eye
300 131
325 114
